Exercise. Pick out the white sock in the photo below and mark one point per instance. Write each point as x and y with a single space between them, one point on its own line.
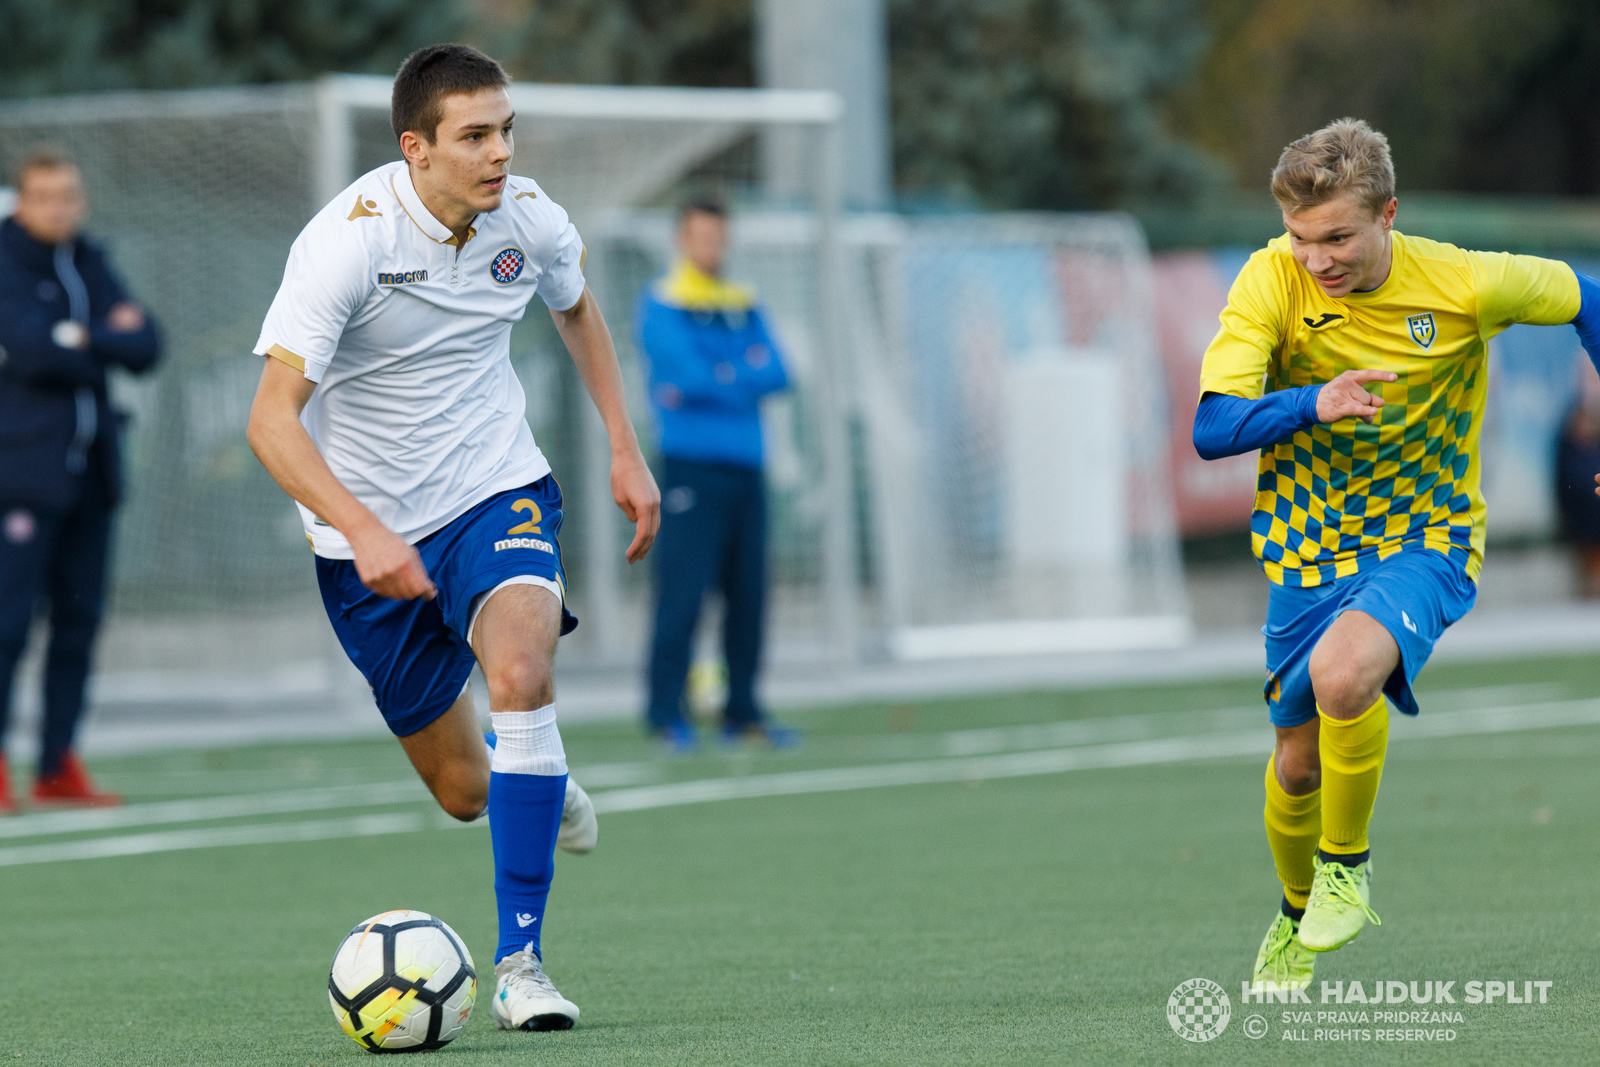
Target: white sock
527 742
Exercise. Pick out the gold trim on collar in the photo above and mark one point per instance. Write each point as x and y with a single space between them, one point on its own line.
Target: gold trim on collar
283 355
402 202
363 210
472 231
526 193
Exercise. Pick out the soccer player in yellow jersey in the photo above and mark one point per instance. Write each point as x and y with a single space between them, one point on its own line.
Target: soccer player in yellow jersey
1355 359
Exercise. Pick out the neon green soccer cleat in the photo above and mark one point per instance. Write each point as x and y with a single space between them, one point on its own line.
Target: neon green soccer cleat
1283 961
1338 907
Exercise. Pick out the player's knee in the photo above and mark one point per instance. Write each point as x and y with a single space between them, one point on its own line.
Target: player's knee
463 811
464 803
1339 684
520 683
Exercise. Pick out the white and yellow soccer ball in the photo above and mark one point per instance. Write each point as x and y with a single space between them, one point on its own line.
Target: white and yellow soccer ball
402 981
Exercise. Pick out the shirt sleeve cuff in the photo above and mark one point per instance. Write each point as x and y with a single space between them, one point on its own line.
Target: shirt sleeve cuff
311 369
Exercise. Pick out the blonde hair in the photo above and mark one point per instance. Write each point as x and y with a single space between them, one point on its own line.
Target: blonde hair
1347 156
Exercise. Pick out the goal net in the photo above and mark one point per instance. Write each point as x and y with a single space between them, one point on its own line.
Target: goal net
1007 423
971 459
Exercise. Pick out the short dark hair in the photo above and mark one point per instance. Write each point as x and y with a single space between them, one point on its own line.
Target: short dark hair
42 157
703 204
428 76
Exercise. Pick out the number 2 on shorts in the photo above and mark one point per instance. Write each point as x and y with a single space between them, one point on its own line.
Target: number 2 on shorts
532 525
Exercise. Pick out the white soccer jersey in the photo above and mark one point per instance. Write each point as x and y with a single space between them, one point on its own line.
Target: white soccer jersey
417 410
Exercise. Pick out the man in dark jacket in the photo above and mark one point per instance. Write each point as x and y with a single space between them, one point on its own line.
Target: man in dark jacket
64 319
711 361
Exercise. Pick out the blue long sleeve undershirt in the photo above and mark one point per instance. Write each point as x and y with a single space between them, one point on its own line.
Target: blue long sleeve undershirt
1587 322
1230 425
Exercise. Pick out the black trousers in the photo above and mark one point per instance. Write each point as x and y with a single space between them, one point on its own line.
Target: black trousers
713 536
59 557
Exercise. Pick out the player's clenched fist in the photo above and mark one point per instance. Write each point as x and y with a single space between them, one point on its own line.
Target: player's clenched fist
1346 397
390 567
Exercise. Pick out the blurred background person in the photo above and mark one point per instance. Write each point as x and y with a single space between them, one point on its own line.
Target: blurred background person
64 318
711 359
1577 459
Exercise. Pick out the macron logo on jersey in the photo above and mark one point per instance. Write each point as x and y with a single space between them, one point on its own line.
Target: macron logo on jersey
403 278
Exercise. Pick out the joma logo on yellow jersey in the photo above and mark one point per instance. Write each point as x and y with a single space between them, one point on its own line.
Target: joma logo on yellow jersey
403 278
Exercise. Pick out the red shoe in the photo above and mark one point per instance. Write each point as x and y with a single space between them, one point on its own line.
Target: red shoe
71 785
8 806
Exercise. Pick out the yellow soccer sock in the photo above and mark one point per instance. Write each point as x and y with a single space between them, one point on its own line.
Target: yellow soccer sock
1352 764
1293 826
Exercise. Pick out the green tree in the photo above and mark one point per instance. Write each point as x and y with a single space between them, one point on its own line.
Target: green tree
67 46
1475 95
1046 103
1009 103
622 42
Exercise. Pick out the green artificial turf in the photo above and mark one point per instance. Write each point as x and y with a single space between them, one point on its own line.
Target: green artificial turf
1027 920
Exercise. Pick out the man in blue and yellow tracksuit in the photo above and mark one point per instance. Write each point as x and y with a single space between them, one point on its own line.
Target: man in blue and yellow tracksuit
64 319
711 360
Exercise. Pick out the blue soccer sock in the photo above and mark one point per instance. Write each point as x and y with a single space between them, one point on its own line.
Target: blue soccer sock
527 790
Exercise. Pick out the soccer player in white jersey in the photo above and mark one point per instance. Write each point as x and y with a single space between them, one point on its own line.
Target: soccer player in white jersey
388 410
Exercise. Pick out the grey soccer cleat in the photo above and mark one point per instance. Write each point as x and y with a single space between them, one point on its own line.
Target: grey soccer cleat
580 830
526 999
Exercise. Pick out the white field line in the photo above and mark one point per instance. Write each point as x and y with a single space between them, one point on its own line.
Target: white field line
1497 720
1141 727
1019 764
1071 733
920 772
178 840
1086 757
204 809
176 811
205 784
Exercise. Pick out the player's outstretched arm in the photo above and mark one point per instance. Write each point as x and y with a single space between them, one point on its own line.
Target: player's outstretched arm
633 487
387 565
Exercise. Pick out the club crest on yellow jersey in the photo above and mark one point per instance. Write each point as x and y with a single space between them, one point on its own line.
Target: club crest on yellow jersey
1422 329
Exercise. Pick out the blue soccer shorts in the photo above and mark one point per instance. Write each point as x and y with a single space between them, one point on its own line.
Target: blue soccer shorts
415 653
1414 594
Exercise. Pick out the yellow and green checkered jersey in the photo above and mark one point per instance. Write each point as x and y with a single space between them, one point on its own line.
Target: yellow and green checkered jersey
1337 497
